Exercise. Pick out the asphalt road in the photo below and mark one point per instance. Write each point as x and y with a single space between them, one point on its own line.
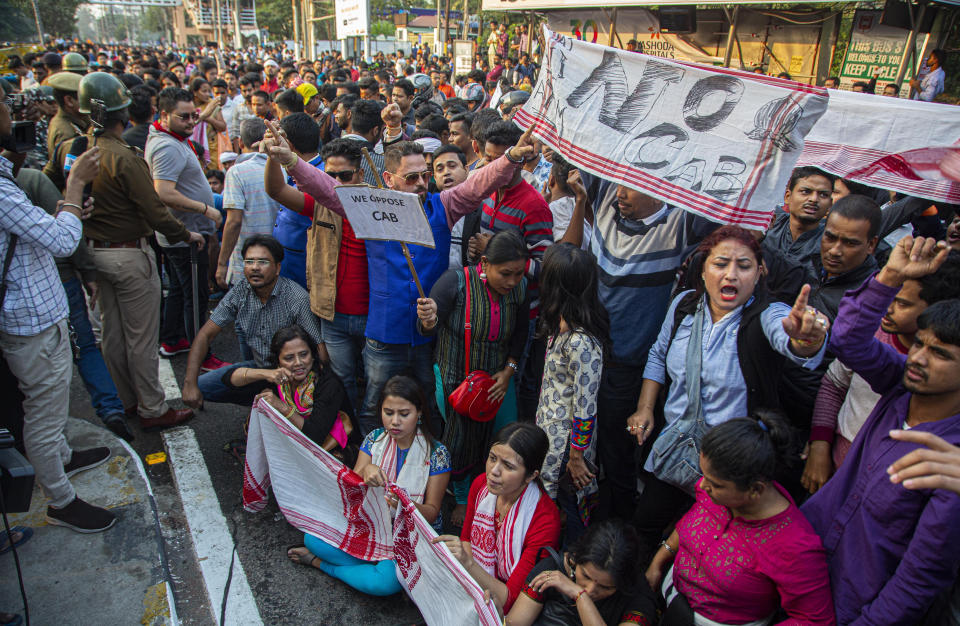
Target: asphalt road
285 593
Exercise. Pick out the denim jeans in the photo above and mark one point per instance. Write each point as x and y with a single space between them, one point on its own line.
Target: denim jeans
213 390
178 309
86 354
383 360
344 338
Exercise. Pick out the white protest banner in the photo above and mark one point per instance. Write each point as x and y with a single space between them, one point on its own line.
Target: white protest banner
385 214
315 491
436 581
320 496
888 143
718 142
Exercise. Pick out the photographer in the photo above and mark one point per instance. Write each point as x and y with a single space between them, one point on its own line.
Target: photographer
34 336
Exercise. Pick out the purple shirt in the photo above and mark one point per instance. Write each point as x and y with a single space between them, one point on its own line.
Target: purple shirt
890 550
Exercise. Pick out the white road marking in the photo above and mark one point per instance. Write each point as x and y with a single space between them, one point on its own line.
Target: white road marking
168 381
208 528
171 605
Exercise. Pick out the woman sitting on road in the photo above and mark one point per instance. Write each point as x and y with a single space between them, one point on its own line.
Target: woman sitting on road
719 351
402 452
595 582
499 308
744 550
305 391
510 518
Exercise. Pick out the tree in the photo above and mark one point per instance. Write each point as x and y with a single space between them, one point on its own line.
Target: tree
57 15
16 25
277 17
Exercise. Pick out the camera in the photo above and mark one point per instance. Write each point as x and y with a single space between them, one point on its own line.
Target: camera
16 475
18 102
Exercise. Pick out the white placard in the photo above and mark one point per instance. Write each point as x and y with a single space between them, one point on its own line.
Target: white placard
352 18
385 214
463 58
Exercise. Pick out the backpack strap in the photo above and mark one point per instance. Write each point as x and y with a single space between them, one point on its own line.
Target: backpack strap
467 326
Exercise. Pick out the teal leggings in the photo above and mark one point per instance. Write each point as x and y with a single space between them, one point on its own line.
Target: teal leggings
375 578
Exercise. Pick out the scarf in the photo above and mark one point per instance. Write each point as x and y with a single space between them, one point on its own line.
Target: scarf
302 397
159 128
499 553
415 473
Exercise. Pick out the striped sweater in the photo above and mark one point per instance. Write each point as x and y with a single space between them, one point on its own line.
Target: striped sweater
637 263
523 209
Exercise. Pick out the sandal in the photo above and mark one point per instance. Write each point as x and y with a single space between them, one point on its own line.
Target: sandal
303 559
236 448
25 533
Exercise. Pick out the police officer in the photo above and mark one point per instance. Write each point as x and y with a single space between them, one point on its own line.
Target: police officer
66 124
127 210
75 63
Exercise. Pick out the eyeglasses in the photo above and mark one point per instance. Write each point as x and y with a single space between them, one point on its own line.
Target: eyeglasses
343 175
413 177
257 262
188 116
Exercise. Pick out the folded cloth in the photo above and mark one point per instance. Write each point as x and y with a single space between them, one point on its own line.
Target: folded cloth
320 496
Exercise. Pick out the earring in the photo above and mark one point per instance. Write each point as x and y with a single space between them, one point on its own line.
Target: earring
483 273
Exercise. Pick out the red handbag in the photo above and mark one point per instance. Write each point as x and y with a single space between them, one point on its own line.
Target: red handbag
471 397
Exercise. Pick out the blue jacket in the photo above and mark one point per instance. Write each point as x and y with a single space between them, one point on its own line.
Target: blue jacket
393 294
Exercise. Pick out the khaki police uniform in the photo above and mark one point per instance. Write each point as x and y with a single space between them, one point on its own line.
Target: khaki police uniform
127 210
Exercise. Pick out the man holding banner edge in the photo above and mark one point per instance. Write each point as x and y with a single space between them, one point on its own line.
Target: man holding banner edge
393 342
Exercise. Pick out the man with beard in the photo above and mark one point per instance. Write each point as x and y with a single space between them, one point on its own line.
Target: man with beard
891 551
393 343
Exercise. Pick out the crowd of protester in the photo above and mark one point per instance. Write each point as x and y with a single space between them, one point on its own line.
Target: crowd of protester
692 423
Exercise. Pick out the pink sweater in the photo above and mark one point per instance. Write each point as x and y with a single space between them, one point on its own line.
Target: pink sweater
735 571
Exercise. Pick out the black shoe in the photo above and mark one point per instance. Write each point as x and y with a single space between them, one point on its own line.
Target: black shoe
117 424
81 517
86 459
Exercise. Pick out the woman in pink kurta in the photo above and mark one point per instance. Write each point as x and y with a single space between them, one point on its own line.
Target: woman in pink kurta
745 550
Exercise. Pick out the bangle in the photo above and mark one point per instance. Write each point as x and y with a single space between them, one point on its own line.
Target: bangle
291 162
290 414
664 544
244 374
512 365
203 211
580 593
510 158
76 206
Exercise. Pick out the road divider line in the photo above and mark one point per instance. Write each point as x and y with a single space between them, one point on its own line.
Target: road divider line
168 381
208 529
